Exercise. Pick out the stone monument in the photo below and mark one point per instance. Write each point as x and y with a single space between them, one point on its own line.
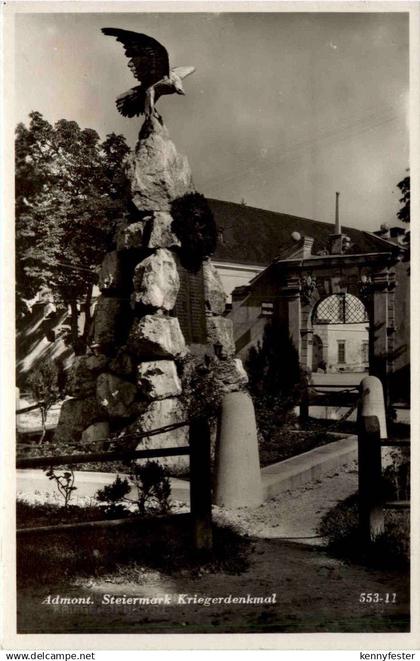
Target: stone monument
129 381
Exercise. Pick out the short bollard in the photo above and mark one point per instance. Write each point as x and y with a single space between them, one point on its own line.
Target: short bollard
237 466
371 428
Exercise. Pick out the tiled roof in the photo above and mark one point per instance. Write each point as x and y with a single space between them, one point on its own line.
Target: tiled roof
257 236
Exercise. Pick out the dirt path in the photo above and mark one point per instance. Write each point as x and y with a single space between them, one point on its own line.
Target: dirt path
313 591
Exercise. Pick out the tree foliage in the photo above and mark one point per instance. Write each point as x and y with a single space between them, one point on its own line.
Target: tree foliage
404 186
70 192
202 391
276 378
195 227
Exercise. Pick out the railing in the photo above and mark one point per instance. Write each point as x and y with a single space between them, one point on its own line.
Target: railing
368 399
200 472
29 408
328 395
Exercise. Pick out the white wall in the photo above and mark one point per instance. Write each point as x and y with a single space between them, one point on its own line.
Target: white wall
353 335
235 275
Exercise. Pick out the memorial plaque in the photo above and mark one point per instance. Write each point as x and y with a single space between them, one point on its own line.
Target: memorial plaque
190 306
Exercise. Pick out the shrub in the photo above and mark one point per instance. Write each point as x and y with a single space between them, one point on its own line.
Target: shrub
64 481
152 488
202 391
397 475
112 495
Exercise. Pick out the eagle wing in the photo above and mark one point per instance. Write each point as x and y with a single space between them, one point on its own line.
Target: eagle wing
149 60
183 72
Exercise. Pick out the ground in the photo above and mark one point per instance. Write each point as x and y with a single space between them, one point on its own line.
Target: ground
314 592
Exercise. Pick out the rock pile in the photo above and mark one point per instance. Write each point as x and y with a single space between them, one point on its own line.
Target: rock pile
129 381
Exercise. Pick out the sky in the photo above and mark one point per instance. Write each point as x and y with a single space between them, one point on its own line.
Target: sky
283 110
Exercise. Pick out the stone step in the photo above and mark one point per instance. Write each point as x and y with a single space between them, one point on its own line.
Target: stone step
307 467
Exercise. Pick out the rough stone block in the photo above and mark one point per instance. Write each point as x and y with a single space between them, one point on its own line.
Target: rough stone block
122 364
158 379
75 416
130 237
81 381
220 331
115 396
95 433
158 174
156 336
108 322
110 275
96 363
161 234
159 414
156 281
214 293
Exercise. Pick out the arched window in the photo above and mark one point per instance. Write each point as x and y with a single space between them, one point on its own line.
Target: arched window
340 309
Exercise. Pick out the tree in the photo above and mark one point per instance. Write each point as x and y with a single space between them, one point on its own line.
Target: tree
44 385
404 186
71 191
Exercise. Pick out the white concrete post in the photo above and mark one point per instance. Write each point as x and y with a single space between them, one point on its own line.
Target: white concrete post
372 428
237 465
372 401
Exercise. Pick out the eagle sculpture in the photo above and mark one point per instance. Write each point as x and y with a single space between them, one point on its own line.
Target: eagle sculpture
149 62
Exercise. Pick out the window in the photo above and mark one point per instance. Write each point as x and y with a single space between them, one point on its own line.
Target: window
365 352
341 351
267 309
340 309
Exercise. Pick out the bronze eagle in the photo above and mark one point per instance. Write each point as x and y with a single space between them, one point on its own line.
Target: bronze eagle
149 62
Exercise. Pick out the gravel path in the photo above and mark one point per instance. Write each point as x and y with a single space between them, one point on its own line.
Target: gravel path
294 514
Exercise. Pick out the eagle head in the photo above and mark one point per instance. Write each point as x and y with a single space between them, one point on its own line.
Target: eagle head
177 83
179 89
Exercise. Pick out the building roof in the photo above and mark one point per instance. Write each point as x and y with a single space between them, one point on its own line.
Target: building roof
255 236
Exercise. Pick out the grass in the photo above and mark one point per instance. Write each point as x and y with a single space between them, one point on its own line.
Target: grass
29 515
397 430
163 543
286 443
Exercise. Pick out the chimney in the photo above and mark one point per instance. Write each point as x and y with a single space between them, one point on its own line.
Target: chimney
337 215
336 239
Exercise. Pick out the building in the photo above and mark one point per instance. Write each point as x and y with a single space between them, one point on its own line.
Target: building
300 269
